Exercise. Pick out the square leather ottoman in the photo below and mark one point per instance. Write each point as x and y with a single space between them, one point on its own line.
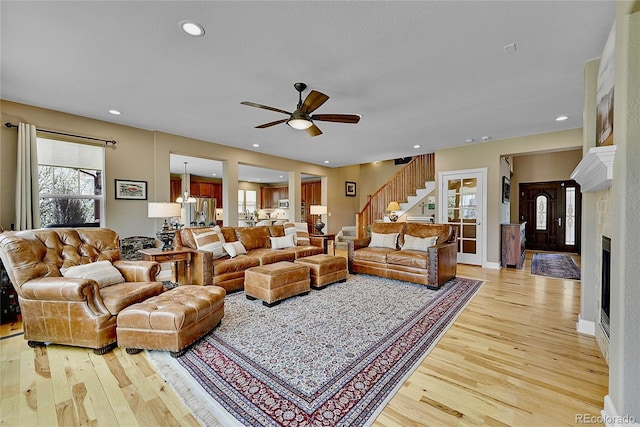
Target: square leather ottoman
272 283
325 269
171 321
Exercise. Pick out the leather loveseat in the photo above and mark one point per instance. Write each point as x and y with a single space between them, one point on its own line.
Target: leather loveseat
228 272
403 251
58 305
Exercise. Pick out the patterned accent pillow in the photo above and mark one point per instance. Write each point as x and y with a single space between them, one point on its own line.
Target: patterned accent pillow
282 242
302 234
290 230
234 249
101 271
387 240
211 240
417 243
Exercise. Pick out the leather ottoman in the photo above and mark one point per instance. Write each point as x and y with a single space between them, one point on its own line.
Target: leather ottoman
325 269
171 321
272 283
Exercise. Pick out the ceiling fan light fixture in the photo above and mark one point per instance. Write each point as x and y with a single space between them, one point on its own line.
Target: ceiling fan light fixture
299 123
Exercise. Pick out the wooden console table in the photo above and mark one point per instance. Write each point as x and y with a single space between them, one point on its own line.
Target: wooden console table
325 241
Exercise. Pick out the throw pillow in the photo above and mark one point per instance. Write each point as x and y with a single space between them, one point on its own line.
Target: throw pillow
387 240
234 249
412 243
211 240
282 242
302 234
102 272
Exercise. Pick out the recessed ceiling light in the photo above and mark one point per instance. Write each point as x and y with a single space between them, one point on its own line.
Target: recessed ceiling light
192 28
486 138
214 174
281 176
416 146
561 118
115 112
327 161
256 145
468 140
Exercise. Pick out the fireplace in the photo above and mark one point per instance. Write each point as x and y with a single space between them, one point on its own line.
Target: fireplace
605 296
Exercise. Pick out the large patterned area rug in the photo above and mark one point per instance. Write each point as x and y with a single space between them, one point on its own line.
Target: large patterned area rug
334 357
560 266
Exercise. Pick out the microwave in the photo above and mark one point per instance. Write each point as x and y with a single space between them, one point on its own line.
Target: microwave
283 204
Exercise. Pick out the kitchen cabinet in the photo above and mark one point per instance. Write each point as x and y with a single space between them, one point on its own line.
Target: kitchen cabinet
198 188
269 196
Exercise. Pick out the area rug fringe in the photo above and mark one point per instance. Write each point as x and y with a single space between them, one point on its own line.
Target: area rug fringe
210 412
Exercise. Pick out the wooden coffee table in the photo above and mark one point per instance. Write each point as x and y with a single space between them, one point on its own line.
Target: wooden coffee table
174 256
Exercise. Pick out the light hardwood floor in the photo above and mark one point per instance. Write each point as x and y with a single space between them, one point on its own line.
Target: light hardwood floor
512 358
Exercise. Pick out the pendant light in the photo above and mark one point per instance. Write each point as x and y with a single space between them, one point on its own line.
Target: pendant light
185 197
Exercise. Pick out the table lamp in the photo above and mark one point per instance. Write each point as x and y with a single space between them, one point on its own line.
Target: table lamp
393 207
164 210
318 210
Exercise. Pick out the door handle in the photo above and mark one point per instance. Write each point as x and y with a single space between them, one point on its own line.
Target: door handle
559 220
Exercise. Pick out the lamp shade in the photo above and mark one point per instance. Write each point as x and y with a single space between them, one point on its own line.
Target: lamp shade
317 210
393 206
163 210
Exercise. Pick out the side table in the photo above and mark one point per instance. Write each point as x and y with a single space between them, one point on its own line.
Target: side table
325 241
174 255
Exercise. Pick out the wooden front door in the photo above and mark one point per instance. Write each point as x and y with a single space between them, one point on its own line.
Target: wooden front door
552 212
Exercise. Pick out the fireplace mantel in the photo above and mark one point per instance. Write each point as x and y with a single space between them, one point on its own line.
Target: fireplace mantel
595 170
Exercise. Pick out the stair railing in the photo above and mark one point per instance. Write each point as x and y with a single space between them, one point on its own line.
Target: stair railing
398 188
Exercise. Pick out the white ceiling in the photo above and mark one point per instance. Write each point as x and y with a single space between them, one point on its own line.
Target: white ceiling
428 73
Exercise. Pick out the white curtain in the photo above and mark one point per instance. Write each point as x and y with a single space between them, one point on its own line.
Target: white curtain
27 200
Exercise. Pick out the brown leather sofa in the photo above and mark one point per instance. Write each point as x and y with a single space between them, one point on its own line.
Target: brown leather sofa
432 267
228 272
67 310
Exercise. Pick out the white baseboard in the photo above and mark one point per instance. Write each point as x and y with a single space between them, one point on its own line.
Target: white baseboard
586 326
610 416
492 265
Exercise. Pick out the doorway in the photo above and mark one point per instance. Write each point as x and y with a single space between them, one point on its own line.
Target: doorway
552 211
462 195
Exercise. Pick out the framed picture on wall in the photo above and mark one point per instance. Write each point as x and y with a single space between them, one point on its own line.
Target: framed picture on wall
506 189
131 190
350 188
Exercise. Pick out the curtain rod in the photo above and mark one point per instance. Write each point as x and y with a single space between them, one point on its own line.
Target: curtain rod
106 141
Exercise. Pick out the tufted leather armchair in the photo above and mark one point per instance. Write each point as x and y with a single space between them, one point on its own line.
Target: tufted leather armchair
66 310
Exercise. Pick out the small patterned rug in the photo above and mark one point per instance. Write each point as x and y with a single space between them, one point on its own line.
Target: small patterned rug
334 357
560 266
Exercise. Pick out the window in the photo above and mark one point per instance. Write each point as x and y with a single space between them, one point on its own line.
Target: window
70 180
570 216
247 201
541 212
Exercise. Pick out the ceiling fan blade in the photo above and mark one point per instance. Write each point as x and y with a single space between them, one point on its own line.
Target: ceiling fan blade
313 101
340 118
313 130
264 107
266 125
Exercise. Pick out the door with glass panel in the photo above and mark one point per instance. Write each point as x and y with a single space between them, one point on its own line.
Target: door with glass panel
462 206
552 212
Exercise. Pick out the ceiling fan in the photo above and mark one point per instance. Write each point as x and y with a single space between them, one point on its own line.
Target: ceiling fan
302 118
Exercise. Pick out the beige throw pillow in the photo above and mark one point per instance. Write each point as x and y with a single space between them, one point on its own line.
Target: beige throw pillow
412 243
387 240
234 249
282 242
102 272
211 240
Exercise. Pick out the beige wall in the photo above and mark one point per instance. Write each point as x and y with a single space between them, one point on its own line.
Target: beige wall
488 154
556 166
144 155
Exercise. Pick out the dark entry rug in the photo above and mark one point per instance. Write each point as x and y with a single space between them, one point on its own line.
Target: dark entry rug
332 358
560 266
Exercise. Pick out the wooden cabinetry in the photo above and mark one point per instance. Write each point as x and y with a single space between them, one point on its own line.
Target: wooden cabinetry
269 196
513 240
198 188
311 195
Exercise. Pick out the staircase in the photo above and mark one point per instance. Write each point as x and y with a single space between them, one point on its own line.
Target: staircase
408 186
